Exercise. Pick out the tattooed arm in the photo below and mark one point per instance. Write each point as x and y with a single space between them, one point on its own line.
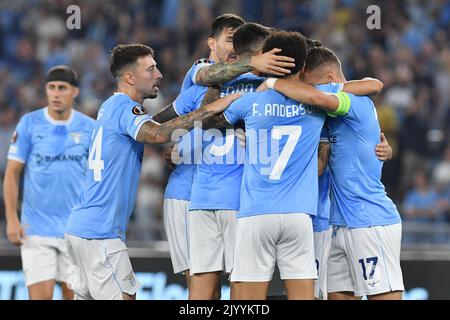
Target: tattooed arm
152 132
268 62
166 114
324 155
217 121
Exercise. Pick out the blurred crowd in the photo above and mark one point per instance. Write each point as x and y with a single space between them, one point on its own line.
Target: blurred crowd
410 54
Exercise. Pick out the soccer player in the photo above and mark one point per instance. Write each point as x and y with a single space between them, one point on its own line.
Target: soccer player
51 146
96 228
366 238
275 225
321 222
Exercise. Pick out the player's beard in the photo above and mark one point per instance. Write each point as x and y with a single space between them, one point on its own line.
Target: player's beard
152 94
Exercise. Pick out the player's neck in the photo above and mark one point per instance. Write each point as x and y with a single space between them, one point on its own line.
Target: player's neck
132 93
60 115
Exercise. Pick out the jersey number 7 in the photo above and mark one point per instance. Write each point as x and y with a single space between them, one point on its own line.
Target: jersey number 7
293 133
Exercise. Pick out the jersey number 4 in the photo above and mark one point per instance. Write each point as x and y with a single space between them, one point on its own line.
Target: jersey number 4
95 162
293 133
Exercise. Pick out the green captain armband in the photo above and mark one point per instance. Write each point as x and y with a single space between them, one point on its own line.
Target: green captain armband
344 105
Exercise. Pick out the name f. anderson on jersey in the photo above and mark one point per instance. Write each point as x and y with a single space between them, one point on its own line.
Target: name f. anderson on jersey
266 151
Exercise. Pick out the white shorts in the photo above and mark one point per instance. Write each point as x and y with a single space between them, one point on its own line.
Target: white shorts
365 261
102 269
211 240
44 258
322 244
176 227
263 240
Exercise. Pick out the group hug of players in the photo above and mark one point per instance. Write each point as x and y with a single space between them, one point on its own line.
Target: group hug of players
287 172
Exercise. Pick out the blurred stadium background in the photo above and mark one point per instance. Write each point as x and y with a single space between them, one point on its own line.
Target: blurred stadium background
410 54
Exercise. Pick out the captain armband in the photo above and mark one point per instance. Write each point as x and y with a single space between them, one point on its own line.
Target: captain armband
344 104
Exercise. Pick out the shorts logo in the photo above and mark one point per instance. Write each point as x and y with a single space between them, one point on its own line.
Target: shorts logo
139 110
203 60
130 278
14 137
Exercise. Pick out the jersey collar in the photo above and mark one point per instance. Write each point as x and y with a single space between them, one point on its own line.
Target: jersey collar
58 122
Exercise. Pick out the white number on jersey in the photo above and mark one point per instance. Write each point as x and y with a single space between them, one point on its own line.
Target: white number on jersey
293 133
94 162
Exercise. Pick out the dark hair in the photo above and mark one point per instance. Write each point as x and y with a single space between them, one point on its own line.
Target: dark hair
318 56
310 43
124 55
62 73
227 20
292 44
249 37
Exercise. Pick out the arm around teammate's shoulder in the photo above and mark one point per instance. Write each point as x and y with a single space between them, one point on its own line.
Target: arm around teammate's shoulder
306 94
363 87
154 133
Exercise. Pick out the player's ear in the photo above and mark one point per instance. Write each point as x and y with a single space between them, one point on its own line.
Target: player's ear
128 77
76 92
330 77
212 44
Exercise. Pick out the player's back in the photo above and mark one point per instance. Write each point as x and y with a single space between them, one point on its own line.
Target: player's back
280 172
358 197
218 177
114 166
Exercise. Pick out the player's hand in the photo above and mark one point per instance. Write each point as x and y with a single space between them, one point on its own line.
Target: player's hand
219 105
383 150
169 154
270 63
262 87
15 233
240 135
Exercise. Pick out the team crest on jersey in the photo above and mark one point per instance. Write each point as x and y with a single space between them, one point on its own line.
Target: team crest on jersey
139 110
14 137
203 60
76 137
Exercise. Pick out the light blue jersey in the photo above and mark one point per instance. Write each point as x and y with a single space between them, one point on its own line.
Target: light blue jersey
321 221
218 178
282 137
358 198
114 166
189 79
54 154
180 180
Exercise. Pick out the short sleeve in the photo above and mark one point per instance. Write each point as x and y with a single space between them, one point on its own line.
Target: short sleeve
331 87
189 100
324 134
237 110
189 79
131 119
199 64
21 142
